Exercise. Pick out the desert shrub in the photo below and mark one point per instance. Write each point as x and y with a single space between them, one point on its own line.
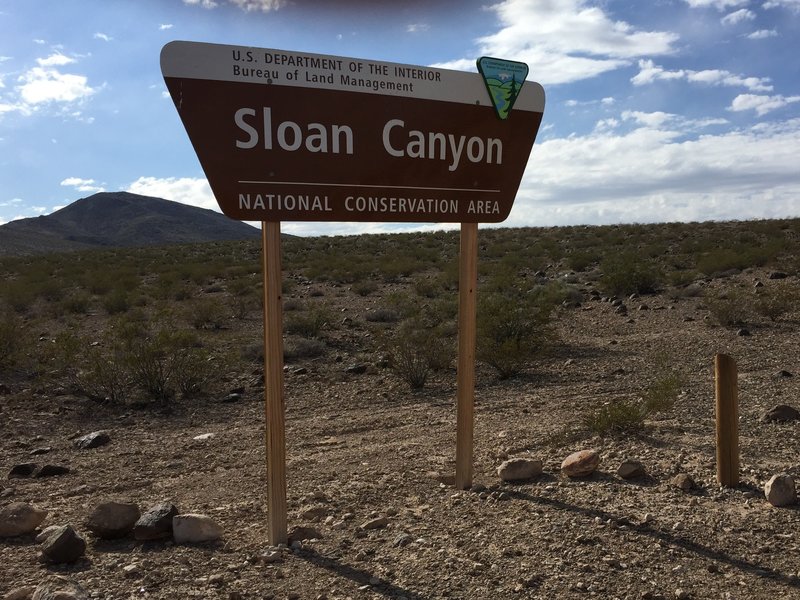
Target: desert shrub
295 348
76 303
194 369
582 260
513 330
628 273
106 376
777 301
427 288
18 295
409 352
207 313
615 417
309 323
117 302
365 288
729 309
382 315
11 340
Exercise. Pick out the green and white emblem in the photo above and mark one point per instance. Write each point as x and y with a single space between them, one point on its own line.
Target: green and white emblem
504 80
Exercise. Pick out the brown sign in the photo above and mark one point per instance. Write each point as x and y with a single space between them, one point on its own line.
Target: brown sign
286 136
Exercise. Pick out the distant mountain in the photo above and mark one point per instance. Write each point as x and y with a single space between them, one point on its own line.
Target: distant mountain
112 219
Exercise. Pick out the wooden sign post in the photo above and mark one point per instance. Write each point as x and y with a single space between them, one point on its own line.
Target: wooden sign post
292 136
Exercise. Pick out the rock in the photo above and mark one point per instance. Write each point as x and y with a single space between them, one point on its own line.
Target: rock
683 481
132 571
376 523
681 594
38 451
64 545
314 513
300 534
19 518
783 373
630 469
92 440
270 557
781 412
60 588
402 540
20 593
232 397
743 332
580 464
52 471
204 436
45 533
780 490
356 369
22 470
111 520
155 523
777 275
519 469
194 528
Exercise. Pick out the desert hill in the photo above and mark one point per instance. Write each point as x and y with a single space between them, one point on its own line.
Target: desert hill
111 219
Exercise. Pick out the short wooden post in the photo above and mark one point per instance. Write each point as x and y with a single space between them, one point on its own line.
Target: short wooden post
467 287
727 395
274 406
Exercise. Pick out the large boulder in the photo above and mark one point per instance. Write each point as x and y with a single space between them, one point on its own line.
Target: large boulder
19 518
111 520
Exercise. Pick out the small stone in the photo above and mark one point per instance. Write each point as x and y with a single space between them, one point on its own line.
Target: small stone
111 520
232 397
64 545
780 490
195 528
204 436
683 481
783 373
376 523
300 534
22 470
60 588
132 570
45 533
519 469
271 557
52 471
20 593
402 540
300 371
39 451
92 440
19 518
356 369
777 275
580 464
743 332
781 412
629 469
156 522
314 513
682 594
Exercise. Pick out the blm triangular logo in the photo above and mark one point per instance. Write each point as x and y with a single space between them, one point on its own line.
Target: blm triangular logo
504 80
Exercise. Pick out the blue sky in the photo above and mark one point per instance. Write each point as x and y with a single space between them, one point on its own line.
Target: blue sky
670 110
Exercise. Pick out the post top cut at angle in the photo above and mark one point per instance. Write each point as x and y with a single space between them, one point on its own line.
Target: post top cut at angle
293 136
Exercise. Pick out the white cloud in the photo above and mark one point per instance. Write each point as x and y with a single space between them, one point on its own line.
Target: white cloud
790 4
648 175
761 104
83 185
720 5
193 191
42 85
4 58
566 41
649 72
762 34
55 60
102 36
738 16
607 101
246 5
165 26
417 27
653 119
40 42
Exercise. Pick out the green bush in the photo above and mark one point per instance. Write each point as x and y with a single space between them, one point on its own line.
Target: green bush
295 348
410 354
11 340
365 288
117 302
628 273
730 309
622 416
207 313
513 330
777 301
309 323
